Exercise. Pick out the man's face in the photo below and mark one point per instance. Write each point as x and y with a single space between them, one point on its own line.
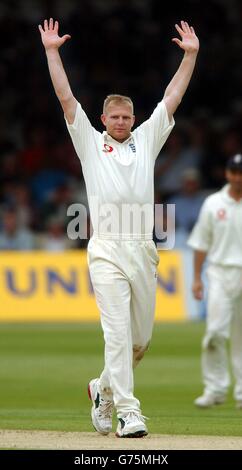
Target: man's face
118 120
234 178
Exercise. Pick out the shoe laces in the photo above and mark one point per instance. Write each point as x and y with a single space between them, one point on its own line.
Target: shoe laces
134 416
105 408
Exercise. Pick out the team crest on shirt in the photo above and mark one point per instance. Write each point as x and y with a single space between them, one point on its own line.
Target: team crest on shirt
107 148
221 214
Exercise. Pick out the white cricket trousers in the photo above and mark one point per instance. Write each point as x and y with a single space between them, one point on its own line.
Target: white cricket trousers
123 275
224 320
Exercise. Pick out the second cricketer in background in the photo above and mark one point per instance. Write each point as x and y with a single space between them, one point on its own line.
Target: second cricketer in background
118 168
218 236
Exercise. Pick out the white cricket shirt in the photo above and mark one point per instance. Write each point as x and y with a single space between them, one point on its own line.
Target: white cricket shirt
219 229
119 177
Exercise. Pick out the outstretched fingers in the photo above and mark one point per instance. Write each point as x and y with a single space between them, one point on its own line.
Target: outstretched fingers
189 28
180 31
50 25
66 37
177 41
184 28
49 34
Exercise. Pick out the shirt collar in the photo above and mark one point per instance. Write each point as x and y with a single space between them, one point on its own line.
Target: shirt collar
109 138
226 196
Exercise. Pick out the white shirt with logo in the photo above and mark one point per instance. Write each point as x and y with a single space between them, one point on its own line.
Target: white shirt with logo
218 230
119 177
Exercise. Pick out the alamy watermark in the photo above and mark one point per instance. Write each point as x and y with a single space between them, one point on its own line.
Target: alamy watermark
124 221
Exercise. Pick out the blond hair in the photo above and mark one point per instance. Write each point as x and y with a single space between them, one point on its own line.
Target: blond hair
118 99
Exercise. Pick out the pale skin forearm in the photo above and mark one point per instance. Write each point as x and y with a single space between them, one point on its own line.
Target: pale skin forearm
52 42
179 83
58 76
61 84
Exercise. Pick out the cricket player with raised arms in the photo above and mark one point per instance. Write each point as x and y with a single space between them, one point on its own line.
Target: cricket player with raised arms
118 168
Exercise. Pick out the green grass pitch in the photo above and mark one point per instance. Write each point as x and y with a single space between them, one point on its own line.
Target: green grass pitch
44 371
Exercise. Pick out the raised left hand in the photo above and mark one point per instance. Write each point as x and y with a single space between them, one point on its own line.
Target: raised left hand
189 41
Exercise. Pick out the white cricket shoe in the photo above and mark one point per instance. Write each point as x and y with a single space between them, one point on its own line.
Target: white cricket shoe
132 425
102 409
208 399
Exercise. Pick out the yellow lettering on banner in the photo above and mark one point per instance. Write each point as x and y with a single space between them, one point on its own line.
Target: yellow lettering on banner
42 287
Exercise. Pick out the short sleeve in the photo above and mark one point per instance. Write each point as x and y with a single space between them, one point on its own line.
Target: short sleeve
81 131
156 129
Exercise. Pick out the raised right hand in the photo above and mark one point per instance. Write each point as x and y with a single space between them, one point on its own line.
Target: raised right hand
49 35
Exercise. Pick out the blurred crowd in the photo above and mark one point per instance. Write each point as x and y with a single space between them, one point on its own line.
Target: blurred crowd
117 46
